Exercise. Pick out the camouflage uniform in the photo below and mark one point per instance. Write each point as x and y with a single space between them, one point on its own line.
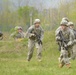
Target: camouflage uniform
70 24
74 47
68 35
18 36
33 41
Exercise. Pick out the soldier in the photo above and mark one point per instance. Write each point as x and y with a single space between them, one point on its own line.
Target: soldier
71 26
63 19
65 36
18 35
35 36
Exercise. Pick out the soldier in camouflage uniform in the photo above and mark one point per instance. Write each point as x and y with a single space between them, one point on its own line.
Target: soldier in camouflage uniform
66 43
35 36
18 34
71 26
63 19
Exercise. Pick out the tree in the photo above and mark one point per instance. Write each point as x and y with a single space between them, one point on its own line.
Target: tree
24 13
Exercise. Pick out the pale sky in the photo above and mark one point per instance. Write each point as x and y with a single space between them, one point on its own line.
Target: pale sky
37 3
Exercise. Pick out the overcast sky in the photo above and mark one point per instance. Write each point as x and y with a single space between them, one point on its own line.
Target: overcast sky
36 3
39 4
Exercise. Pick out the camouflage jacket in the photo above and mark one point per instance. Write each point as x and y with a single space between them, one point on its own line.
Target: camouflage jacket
17 35
39 31
67 34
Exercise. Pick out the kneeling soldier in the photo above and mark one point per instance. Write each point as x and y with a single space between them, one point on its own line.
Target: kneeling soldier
18 34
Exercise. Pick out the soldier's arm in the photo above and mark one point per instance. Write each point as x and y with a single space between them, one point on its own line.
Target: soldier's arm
42 34
28 33
24 34
57 33
71 38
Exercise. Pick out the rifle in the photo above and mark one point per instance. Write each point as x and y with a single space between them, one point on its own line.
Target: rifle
38 38
63 41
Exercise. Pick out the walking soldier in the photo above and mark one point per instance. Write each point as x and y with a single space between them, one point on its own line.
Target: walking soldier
35 35
65 37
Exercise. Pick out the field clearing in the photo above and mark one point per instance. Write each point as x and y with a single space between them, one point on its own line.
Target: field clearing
13 59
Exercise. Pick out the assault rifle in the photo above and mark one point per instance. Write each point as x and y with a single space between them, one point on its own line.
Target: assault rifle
63 41
38 38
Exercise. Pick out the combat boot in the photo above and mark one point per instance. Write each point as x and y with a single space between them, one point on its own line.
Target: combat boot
68 65
61 65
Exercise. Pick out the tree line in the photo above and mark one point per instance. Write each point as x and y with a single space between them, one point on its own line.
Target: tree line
11 16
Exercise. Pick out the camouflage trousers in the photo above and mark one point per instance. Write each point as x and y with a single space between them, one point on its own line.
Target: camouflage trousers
64 56
74 52
31 45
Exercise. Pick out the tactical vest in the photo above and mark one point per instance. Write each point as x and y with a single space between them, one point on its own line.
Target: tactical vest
36 30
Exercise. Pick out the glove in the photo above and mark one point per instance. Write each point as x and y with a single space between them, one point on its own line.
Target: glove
32 36
58 38
66 45
40 42
70 44
19 39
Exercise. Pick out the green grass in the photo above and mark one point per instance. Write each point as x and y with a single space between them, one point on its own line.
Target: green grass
13 59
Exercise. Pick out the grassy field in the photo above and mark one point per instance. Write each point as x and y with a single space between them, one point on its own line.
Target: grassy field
13 59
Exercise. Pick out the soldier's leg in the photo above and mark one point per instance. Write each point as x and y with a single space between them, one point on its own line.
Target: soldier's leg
61 55
61 61
31 45
70 52
64 60
74 51
39 50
